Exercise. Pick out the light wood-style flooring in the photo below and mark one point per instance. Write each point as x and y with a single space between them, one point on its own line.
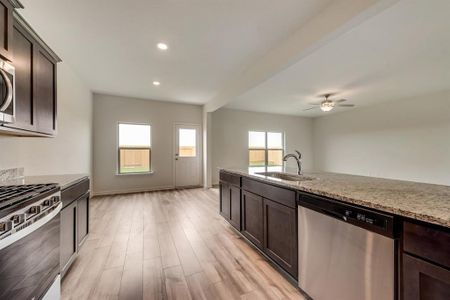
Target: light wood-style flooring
168 245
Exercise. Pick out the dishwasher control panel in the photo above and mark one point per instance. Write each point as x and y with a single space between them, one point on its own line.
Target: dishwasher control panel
366 218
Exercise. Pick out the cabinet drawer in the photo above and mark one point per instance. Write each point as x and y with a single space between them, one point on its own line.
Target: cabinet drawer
427 242
74 192
277 194
230 178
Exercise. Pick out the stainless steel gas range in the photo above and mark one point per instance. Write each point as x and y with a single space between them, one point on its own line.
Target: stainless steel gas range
29 241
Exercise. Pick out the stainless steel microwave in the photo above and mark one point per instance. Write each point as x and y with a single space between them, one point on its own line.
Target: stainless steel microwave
7 92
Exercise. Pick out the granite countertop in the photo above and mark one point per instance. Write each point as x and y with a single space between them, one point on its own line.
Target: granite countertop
425 202
63 180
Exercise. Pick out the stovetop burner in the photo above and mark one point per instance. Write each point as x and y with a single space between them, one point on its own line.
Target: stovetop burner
15 194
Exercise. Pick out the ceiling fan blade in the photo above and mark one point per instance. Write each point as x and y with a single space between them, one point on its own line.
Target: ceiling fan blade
314 103
346 105
309 108
340 100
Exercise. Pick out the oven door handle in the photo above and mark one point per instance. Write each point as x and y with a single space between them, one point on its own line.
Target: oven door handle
29 229
9 87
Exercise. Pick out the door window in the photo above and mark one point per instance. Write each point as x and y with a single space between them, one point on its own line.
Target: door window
187 142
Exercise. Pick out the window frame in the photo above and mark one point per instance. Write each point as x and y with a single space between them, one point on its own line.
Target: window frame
265 149
118 148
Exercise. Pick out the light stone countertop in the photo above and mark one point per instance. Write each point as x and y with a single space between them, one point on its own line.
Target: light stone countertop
63 180
420 201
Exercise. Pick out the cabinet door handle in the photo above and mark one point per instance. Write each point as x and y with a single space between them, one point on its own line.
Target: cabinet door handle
9 87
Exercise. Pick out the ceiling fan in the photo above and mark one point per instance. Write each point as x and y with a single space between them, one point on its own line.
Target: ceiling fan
327 104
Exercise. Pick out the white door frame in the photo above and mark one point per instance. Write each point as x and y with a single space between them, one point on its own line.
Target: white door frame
199 150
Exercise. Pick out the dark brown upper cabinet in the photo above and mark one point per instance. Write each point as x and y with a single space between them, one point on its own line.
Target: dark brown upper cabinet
35 84
23 61
45 92
6 29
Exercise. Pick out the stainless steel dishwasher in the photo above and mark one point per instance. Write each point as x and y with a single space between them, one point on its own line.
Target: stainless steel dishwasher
345 251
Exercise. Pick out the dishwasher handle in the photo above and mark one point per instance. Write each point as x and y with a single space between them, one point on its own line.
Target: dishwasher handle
334 214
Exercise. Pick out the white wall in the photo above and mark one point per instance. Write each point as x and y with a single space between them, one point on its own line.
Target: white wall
70 151
108 112
406 139
230 137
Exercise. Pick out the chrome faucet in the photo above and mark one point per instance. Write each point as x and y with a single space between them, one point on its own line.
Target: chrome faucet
297 158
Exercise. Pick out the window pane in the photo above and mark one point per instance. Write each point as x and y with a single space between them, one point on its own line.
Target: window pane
134 135
275 157
134 160
257 158
256 139
187 143
274 140
275 169
253 170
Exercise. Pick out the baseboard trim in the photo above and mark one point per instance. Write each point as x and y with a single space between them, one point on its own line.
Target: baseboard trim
132 191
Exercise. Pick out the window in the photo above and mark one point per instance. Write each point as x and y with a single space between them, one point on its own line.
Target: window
265 151
134 148
187 142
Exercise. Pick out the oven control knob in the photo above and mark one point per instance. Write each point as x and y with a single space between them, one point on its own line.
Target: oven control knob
16 219
34 210
5 226
56 199
47 202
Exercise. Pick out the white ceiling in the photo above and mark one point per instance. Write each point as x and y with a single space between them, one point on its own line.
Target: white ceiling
111 44
400 52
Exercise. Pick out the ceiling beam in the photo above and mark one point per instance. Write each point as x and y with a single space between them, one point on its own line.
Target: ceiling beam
334 20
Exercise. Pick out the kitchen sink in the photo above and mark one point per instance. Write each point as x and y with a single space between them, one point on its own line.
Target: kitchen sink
286 176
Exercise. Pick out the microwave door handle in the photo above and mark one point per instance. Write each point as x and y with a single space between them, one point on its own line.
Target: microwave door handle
9 87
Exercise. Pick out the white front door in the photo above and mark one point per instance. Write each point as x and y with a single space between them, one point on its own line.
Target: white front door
187 155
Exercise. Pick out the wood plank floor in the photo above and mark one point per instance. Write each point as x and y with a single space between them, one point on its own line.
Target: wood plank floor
168 245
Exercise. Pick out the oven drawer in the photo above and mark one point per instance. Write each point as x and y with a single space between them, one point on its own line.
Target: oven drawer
30 264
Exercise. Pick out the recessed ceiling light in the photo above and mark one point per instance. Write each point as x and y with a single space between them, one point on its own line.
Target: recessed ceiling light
156 83
162 46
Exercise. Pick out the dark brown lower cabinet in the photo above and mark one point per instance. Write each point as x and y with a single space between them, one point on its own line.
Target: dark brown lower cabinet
280 235
235 207
230 204
68 232
424 281
82 218
253 218
74 222
225 200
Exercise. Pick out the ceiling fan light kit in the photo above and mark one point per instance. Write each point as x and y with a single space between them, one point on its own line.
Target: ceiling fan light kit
328 105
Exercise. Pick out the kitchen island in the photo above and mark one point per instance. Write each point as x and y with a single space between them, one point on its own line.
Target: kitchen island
264 210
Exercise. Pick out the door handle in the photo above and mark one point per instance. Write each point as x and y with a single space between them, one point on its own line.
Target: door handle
9 87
